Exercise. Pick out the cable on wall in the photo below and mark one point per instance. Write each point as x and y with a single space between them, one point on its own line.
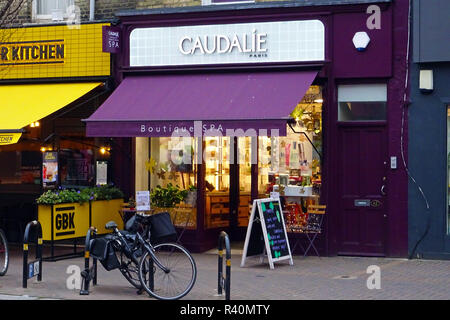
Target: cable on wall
402 151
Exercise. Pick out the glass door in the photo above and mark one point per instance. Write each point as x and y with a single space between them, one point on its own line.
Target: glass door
217 182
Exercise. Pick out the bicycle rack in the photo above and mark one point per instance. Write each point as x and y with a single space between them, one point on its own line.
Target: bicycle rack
224 282
89 273
33 268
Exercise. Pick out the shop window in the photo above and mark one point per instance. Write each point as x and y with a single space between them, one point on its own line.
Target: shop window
20 167
173 178
55 10
291 165
362 102
76 168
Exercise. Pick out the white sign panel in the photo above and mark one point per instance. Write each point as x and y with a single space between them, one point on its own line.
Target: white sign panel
283 41
142 200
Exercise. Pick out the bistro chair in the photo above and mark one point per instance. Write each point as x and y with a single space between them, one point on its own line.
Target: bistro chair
313 226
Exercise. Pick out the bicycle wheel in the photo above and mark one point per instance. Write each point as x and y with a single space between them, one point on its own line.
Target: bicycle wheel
129 270
4 254
175 283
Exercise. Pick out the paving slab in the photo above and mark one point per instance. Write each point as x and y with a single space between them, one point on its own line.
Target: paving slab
310 278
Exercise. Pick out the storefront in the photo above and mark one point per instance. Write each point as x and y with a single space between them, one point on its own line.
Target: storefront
50 78
232 102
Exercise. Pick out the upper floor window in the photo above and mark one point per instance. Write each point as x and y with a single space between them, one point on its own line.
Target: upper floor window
55 10
362 102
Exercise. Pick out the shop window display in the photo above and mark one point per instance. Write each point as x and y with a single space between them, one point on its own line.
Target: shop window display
291 165
217 162
173 178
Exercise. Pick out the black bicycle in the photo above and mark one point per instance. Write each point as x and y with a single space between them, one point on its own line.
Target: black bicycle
165 270
4 254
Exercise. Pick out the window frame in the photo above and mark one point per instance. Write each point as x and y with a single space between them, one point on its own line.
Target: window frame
35 16
378 97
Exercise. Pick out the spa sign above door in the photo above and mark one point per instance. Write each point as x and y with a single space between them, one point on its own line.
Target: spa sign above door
262 42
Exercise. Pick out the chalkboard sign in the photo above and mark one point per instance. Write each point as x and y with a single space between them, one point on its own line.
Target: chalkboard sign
266 233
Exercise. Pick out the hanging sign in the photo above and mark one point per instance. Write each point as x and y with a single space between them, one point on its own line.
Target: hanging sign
111 39
266 233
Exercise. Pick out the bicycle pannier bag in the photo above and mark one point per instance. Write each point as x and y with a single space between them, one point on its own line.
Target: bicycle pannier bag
101 249
162 228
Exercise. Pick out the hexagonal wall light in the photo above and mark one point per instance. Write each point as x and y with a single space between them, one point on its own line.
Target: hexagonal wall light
361 41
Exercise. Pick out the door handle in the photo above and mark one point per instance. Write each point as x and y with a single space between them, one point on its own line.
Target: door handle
383 188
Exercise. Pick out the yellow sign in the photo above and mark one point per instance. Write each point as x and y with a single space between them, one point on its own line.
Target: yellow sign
9 138
39 52
70 220
53 52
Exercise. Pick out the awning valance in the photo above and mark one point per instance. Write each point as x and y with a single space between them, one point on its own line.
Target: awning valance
163 105
20 105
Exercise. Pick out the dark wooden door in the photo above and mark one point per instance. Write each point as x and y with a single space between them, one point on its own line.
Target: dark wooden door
362 168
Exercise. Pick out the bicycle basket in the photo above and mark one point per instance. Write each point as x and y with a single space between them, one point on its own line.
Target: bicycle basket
102 250
162 228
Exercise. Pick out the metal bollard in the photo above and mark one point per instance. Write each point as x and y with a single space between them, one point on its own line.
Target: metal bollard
35 267
224 282
89 273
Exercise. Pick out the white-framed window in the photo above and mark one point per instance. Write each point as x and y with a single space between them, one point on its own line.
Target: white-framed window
54 10
362 102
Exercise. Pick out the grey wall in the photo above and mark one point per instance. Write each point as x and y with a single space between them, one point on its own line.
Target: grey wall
431 30
427 160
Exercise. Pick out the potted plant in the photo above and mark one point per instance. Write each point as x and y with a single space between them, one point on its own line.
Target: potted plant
167 197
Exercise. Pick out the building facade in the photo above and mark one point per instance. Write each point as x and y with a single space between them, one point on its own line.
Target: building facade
334 89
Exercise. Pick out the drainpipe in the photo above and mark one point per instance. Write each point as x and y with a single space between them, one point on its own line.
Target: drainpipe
91 10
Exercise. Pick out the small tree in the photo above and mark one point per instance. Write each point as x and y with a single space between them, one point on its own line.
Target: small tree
9 12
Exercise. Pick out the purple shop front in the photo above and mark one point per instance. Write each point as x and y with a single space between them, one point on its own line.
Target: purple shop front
264 97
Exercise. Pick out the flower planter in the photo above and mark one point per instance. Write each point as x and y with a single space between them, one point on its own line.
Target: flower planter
103 211
72 220
64 220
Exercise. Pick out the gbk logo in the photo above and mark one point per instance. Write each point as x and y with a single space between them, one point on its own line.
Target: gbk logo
65 221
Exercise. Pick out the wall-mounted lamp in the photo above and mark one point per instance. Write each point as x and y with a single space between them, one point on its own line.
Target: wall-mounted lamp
35 124
426 81
105 150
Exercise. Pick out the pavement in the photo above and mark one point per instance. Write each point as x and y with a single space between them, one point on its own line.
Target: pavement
309 278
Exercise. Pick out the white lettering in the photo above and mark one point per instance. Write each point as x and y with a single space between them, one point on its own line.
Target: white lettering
260 42
374 21
181 45
223 44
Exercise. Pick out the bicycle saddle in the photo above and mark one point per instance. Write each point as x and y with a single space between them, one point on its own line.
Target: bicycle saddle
111 225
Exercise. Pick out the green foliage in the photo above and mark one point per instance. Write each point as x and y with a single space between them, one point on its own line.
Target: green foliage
105 192
167 197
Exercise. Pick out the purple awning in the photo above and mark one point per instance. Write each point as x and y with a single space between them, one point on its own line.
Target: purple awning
162 105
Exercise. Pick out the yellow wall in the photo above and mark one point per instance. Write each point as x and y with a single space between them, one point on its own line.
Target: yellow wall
142 155
75 52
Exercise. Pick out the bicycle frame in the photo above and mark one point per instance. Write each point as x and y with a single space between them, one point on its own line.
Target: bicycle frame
144 244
